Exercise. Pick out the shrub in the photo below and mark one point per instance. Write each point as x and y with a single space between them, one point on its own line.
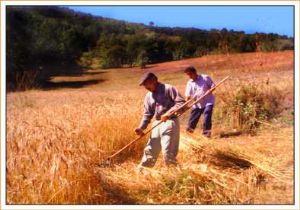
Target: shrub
86 60
251 104
142 59
25 80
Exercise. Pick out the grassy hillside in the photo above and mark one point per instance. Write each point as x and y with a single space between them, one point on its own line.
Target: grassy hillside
47 41
56 138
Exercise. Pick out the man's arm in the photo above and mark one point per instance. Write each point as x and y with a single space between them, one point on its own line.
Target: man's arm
177 98
210 82
148 113
188 91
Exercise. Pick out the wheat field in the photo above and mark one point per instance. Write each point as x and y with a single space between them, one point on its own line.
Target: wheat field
56 139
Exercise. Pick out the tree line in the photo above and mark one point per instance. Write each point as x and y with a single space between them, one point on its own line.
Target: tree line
40 37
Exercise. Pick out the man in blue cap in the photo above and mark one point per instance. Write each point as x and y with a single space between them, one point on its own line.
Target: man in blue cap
159 102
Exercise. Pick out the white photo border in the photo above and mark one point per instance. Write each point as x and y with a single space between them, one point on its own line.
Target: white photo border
149 3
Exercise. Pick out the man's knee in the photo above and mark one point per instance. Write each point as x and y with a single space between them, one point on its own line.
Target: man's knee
208 110
148 152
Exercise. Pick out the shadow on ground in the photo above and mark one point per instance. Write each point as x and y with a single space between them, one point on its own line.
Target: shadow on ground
48 85
227 160
39 77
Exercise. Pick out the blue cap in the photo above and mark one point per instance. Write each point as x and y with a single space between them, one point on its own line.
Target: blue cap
147 76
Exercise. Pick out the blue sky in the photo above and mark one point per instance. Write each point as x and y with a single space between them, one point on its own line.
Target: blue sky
251 19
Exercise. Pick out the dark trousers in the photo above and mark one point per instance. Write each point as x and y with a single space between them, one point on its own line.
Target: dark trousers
195 116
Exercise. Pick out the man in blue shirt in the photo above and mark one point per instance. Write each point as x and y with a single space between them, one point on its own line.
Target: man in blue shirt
195 88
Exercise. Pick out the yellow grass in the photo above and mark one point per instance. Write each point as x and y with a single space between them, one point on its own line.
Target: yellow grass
55 140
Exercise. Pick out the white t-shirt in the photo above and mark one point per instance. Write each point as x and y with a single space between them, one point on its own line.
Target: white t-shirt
199 87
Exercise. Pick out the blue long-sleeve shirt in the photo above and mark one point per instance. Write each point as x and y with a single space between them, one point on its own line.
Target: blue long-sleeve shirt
164 98
196 88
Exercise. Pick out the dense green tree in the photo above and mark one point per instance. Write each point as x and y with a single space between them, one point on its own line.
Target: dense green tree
248 44
39 37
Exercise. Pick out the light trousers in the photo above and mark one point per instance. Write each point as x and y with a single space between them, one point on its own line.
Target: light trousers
165 138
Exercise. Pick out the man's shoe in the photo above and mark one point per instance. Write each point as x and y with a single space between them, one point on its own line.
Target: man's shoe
190 130
207 134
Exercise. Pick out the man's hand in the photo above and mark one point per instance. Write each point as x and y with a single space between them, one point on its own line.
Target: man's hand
139 131
165 117
188 98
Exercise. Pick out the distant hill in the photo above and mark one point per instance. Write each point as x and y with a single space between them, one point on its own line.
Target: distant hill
41 37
